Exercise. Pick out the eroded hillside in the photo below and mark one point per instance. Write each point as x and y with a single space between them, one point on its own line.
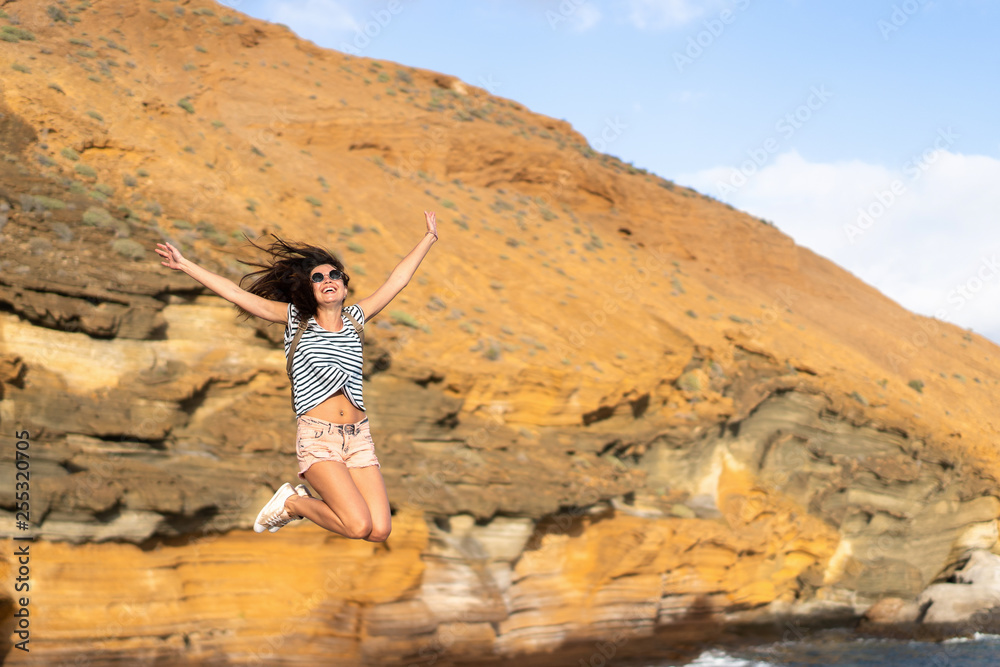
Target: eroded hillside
606 403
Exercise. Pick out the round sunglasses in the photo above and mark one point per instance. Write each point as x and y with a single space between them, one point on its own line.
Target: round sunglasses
335 274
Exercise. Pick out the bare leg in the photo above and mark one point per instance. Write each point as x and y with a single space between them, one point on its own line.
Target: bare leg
369 482
342 510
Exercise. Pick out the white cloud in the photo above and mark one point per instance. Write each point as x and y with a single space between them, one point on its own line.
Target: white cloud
924 234
660 14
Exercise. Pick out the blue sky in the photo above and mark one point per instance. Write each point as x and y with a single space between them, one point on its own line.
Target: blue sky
860 128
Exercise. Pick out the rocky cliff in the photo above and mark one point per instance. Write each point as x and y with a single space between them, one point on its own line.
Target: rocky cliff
613 414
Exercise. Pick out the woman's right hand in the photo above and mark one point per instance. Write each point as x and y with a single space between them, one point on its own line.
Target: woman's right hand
170 254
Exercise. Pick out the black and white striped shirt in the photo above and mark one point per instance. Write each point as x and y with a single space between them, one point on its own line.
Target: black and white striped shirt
325 361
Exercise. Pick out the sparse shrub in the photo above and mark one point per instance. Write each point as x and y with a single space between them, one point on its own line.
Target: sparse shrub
217 124
56 87
182 224
692 314
315 202
86 170
104 189
76 41
23 69
13 33
129 249
496 284
859 398
404 318
96 116
63 231
70 154
49 203
185 103
142 173
356 247
129 180
87 54
99 196
200 49
447 203
690 381
39 245
99 217
492 351
916 385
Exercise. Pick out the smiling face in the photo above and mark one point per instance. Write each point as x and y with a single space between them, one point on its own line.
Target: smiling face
327 291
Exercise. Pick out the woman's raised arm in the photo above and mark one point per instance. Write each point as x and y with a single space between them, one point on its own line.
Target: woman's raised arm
273 311
401 275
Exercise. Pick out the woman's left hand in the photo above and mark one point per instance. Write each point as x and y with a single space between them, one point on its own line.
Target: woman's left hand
432 227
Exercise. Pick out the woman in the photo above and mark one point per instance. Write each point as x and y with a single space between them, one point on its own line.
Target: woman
305 287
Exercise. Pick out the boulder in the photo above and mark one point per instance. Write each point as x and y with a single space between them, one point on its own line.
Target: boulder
893 610
977 592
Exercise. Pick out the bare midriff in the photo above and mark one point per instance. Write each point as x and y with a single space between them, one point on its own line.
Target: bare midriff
338 410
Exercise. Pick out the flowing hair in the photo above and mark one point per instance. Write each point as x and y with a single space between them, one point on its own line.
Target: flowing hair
287 276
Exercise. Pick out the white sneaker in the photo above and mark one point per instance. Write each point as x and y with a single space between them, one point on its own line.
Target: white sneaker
274 512
302 491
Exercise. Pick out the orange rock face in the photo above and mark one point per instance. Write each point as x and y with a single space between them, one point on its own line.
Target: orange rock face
607 406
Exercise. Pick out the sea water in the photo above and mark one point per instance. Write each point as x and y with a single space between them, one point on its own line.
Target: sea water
839 650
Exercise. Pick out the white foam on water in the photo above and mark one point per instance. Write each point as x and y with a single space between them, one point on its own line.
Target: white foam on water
977 637
716 658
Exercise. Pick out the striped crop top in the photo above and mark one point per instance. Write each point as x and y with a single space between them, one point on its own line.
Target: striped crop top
325 361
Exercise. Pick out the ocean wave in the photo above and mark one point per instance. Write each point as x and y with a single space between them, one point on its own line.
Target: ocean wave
717 658
977 637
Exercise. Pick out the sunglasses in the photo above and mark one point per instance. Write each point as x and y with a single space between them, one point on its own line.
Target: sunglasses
335 274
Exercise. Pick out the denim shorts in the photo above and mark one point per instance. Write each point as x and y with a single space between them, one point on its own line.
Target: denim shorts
319 440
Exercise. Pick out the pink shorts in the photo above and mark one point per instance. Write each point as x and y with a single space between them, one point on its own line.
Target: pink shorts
319 440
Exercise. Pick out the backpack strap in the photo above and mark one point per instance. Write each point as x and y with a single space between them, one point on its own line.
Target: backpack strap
301 329
357 327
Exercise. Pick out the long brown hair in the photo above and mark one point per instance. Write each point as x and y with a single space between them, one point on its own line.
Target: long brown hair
287 276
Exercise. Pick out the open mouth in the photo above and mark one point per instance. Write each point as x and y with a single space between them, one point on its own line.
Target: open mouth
328 290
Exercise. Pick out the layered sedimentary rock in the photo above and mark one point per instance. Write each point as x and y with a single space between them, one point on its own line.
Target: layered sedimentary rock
608 409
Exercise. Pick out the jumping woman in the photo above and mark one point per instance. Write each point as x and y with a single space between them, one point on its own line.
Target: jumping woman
304 287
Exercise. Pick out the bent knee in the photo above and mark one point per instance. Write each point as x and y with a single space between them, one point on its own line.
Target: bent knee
359 530
380 533
378 536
